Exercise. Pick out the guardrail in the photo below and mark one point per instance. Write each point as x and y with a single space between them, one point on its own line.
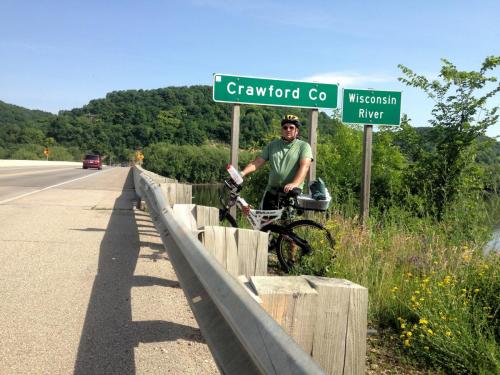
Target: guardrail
242 337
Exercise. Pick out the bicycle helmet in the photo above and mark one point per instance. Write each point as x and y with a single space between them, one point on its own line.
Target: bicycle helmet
291 119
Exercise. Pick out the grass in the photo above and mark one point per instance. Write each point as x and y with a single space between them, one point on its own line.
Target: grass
435 293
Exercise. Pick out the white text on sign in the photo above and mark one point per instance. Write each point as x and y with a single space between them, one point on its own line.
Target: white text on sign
271 91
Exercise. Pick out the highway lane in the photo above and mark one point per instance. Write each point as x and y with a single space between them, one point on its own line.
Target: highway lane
21 181
86 286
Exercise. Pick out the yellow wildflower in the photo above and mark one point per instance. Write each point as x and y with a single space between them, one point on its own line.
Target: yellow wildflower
430 331
423 321
407 343
448 333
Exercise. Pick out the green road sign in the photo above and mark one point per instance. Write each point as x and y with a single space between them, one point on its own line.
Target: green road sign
371 107
263 91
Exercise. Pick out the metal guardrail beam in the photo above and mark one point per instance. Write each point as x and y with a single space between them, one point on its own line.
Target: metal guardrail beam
242 337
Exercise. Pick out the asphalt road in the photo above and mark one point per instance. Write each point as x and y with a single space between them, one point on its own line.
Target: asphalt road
20 181
86 286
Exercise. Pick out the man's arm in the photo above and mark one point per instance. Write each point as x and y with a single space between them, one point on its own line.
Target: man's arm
300 176
253 166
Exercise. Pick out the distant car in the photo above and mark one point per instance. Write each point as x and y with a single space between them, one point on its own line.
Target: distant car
92 161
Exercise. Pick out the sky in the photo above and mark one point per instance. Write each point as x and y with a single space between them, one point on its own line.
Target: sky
59 55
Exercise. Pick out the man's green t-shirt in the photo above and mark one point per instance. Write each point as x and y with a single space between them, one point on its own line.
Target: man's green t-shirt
284 160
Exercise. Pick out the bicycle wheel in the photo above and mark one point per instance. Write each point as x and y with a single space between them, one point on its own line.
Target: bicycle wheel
309 237
225 215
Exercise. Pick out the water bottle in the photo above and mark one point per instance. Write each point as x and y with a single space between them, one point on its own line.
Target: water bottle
235 175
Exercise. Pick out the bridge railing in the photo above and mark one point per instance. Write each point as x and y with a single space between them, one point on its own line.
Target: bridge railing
242 337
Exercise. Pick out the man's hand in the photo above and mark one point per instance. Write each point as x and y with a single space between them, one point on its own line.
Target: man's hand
289 187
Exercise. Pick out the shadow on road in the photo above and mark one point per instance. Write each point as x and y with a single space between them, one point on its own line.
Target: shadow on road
109 335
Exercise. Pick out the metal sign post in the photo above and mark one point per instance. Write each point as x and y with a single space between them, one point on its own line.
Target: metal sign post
313 141
366 173
369 107
235 143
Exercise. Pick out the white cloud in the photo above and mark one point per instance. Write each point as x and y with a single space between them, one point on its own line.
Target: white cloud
350 78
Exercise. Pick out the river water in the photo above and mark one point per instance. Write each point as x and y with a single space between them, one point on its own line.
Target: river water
494 244
207 194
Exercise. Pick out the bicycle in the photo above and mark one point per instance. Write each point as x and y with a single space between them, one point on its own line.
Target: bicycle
292 239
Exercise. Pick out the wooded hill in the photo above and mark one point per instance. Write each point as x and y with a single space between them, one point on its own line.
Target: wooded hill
125 121
128 120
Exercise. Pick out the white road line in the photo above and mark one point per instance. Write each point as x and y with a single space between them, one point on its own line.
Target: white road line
53 186
35 172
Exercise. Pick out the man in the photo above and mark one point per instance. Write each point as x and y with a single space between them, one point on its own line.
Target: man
289 159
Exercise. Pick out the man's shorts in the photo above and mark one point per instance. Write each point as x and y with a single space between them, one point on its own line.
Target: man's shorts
270 201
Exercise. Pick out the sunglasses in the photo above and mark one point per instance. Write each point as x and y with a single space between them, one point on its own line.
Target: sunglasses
291 127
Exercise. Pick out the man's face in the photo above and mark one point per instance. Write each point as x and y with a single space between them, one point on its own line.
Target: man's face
289 132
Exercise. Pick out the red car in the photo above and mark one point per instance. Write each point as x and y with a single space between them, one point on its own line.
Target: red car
92 161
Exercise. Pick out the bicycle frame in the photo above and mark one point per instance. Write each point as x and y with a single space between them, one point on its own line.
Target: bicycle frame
260 218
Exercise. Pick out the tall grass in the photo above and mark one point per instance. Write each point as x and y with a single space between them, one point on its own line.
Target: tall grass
434 289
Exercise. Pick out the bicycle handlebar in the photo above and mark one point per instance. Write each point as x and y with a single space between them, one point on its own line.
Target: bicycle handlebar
235 188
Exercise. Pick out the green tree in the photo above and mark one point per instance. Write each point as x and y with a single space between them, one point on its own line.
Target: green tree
28 152
460 115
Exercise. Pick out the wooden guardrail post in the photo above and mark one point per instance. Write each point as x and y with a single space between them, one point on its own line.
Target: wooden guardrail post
341 325
177 193
326 317
195 216
240 251
292 303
